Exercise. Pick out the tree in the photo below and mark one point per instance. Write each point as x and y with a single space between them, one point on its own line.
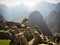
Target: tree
25 20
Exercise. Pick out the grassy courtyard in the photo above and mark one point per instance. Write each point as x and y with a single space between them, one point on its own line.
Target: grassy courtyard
4 42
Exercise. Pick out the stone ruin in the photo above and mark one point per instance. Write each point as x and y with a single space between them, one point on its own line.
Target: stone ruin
23 35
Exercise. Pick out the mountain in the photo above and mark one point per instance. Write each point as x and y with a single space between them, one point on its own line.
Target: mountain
3 11
1 17
45 8
21 11
18 13
53 21
58 6
36 18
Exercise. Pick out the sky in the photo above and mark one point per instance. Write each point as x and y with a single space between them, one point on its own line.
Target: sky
28 3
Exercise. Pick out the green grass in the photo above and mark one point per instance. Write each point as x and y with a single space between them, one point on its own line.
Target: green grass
1 30
4 42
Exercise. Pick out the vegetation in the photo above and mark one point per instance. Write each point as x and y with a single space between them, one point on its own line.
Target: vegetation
25 20
1 30
4 42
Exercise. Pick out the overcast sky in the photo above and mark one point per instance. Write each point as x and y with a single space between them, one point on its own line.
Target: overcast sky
28 3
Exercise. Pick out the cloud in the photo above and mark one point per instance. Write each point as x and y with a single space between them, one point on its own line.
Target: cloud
29 3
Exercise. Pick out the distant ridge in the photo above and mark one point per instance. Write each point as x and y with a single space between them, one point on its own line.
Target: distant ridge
36 18
22 11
